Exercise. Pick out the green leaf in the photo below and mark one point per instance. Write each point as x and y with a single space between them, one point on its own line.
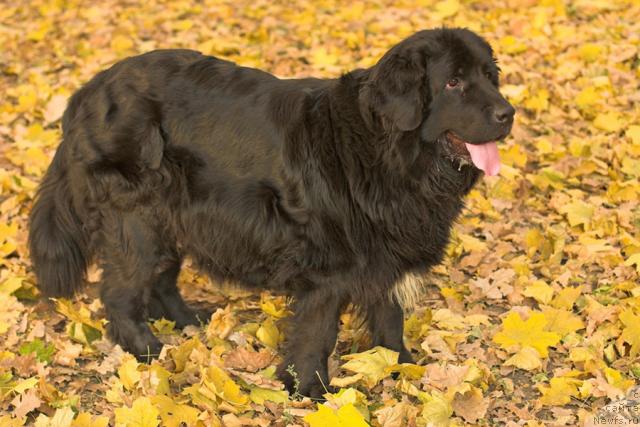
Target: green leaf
44 352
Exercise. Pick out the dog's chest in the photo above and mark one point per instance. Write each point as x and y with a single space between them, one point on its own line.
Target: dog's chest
414 235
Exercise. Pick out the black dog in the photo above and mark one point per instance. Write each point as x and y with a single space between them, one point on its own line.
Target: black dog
329 190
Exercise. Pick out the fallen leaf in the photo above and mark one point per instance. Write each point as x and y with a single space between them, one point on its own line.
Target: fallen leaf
346 416
526 333
372 364
141 414
25 403
248 359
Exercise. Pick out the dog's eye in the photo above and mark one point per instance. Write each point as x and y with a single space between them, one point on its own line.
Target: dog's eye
489 76
453 83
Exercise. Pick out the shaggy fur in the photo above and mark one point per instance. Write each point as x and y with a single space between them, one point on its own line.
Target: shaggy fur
331 191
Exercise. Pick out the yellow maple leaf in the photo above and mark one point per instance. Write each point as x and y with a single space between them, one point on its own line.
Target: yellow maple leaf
531 333
634 260
349 396
590 52
514 156
583 354
509 44
566 297
373 364
447 319
274 306
631 332
587 98
159 379
173 414
164 326
121 44
617 379
11 285
85 419
269 334
40 33
259 395
27 98
631 166
437 409
608 122
11 421
182 25
181 354
633 133
216 384
526 358
539 101
578 213
81 314
540 291
409 371
341 382
37 135
562 321
447 8
560 391
128 372
345 416
141 414
322 58
63 417
534 239
471 244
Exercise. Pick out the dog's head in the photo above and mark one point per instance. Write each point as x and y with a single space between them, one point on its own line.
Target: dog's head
443 84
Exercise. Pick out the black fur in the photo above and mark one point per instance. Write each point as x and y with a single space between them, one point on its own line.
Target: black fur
328 190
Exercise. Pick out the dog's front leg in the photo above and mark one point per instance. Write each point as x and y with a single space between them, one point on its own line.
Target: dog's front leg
385 320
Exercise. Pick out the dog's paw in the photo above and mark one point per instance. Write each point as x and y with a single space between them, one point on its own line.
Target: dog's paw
405 356
147 351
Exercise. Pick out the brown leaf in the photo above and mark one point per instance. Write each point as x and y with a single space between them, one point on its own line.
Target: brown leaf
443 376
67 354
247 359
471 405
25 365
257 379
25 403
399 415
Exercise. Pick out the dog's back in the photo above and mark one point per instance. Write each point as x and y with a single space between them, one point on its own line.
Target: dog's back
173 128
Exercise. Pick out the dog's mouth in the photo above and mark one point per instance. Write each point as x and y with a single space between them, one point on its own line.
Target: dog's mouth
483 156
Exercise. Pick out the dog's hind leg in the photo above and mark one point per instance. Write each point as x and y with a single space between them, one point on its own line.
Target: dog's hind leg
133 254
385 320
166 300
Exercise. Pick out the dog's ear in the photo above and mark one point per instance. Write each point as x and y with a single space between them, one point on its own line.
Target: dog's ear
397 88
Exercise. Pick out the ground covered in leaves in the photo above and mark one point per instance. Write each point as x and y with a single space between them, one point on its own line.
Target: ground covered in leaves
533 320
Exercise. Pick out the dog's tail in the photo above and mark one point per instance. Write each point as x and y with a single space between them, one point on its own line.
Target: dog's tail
58 242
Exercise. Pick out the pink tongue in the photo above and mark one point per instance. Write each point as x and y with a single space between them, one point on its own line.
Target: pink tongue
485 157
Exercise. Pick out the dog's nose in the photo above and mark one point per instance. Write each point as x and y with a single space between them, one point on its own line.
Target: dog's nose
503 113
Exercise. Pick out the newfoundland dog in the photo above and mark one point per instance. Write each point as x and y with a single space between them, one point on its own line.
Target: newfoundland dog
329 190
